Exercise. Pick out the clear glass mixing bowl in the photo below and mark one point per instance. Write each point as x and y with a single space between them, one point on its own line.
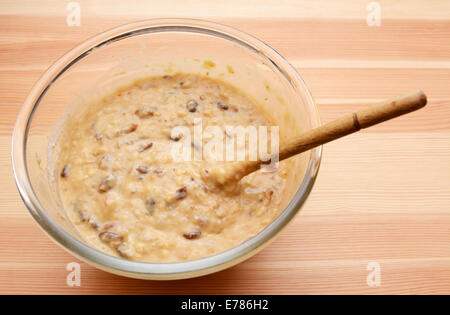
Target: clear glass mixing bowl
113 58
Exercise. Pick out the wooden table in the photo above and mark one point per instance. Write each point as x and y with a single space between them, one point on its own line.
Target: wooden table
382 196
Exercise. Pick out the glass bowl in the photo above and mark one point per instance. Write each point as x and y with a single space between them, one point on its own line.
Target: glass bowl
114 58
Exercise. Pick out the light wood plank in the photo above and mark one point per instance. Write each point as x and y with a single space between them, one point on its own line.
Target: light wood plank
382 195
351 9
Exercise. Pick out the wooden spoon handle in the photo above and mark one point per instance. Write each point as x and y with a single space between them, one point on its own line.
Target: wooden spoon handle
351 123
343 126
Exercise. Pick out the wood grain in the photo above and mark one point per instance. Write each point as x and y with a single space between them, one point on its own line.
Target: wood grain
388 203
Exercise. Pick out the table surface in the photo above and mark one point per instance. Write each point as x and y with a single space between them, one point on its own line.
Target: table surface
382 196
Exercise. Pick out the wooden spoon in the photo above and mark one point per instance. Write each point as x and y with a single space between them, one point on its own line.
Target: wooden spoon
232 172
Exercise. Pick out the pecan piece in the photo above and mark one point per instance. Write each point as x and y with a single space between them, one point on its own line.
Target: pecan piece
124 250
176 135
94 223
108 225
110 237
150 204
83 216
191 105
143 169
80 208
181 193
130 128
65 170
192 235
146 111
146 146
107 183
222 105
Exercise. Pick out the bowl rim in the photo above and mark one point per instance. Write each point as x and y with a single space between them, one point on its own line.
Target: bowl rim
136 269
